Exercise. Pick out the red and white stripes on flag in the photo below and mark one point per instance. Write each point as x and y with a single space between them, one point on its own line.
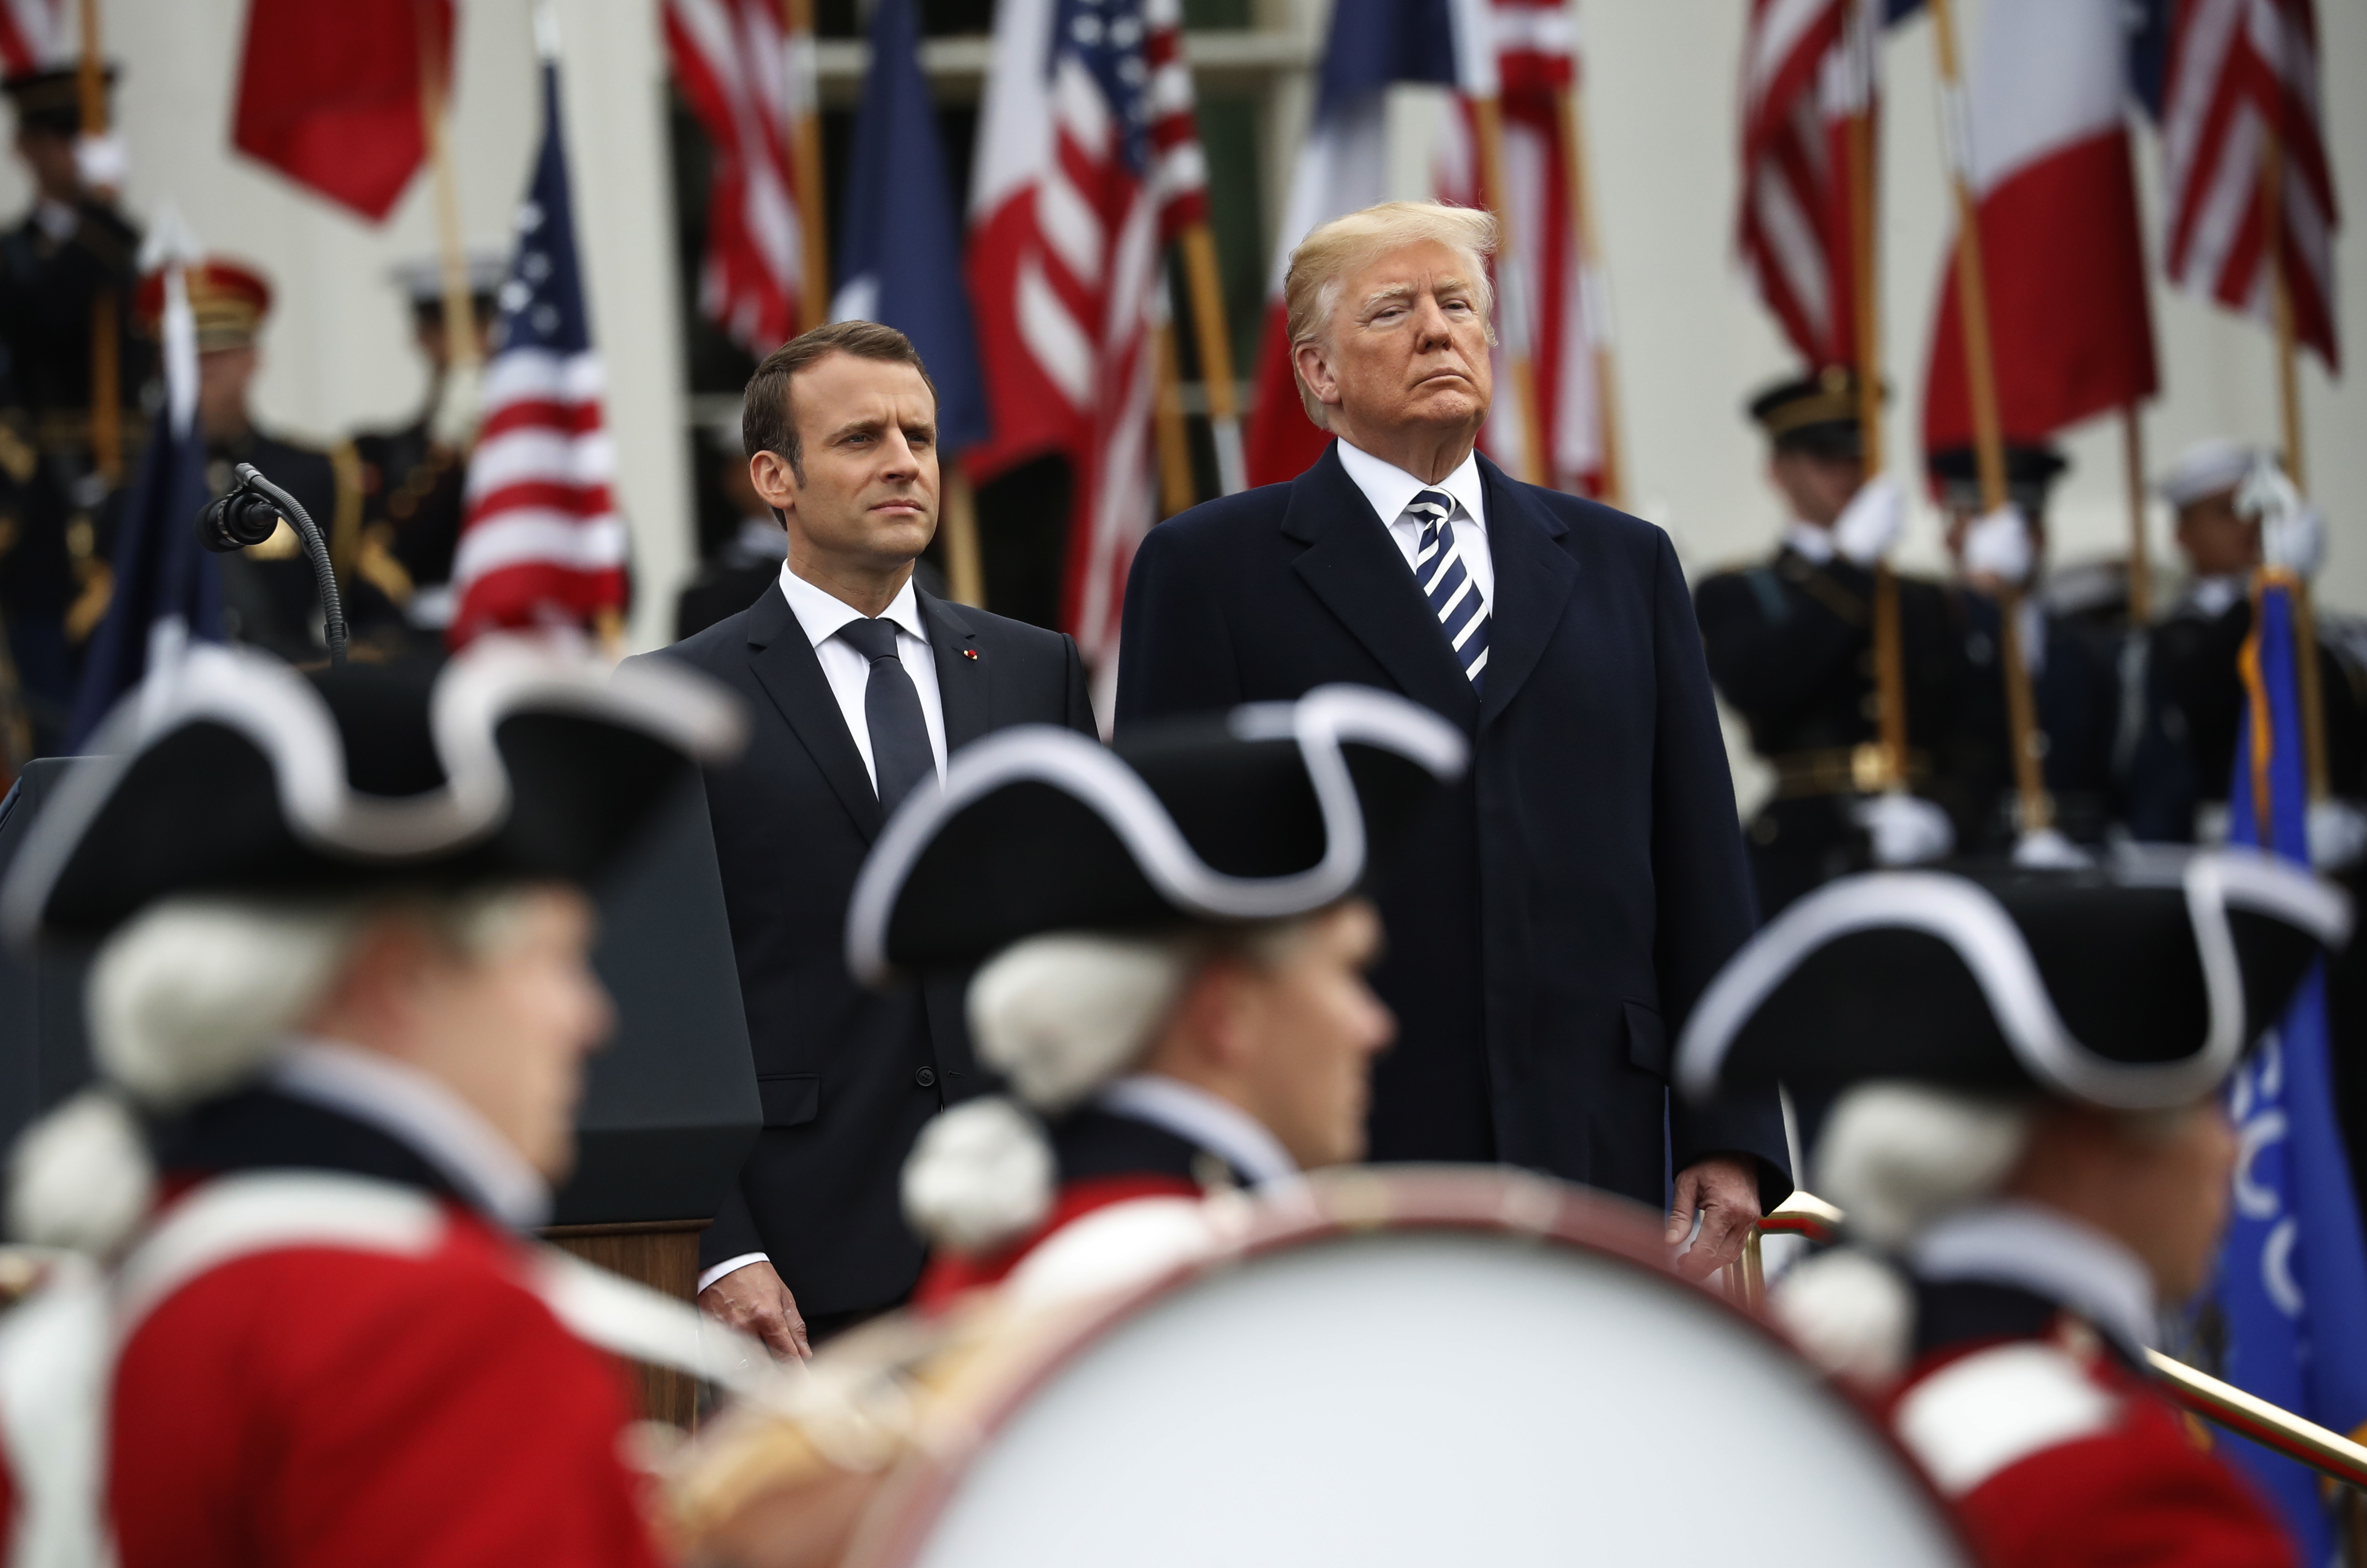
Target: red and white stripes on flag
2238 70
33 36
1808 69
1566 306
542 542
746 79
1088 161
2047 148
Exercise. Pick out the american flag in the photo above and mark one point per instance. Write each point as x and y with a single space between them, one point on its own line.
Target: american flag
2240 70
748 82
1567 316
33 36
1807 67
1089 160
541 544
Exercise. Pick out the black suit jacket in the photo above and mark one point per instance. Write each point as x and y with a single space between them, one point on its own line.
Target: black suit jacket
1553 923
847 1076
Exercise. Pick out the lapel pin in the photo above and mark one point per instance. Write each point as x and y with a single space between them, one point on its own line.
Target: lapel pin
969 653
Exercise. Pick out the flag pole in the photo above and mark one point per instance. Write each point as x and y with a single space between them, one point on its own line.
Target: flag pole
1488 114
965 566
1889 655
2281 316
1988 438
106 348
1201 279
460 356
803 133
1176 493
1572 124
2140 549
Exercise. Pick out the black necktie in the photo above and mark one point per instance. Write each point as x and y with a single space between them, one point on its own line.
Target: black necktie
901 758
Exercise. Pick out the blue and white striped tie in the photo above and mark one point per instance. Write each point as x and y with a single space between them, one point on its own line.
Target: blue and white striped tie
1453 597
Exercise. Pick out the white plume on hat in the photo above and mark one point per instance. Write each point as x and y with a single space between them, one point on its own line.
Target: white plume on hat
1897 1155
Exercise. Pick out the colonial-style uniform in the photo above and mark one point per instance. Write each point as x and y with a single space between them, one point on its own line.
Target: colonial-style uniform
2003 1341
1790 645
68 271
1276 811
326 1340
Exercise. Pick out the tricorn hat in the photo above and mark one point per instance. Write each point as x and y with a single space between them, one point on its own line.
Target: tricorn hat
229 772
2134 989
1273 810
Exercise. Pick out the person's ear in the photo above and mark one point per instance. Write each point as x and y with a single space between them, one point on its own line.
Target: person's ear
1315 369
772 478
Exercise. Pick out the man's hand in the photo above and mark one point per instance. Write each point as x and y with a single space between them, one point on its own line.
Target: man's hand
754 1301
1724 1190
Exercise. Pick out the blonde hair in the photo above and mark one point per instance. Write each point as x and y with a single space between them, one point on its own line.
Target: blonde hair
1321 262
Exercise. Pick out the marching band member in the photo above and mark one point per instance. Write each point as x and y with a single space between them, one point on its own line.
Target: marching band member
340 1005
1173 939
2032 1160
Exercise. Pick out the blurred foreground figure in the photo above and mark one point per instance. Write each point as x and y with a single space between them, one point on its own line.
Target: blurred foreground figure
1173 974
340 1006
2033 1161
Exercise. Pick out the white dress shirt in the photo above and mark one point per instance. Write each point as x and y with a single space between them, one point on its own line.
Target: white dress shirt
2047 1252
1216 1125
822 614
1391 488
426 1116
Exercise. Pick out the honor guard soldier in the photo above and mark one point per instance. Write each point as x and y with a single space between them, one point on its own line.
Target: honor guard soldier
2074 683
2031 1159
412 477
1791 647
2197 684
339 1006
68 272
269 597
1173 939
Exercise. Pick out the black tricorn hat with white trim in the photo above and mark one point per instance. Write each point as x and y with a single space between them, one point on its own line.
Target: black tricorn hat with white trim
2133 988
232 772
1273 810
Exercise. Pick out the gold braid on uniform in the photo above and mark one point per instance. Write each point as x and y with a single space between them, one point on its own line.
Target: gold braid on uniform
345 523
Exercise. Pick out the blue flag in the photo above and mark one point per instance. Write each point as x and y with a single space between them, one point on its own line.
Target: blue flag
167 586
2293 1273
899 254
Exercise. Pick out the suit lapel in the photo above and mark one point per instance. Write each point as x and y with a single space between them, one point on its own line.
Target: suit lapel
785 665
961 673
1533 578
1354 568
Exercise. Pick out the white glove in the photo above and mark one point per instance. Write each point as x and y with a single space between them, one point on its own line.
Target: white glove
1870 524
2047 849
1906 829
2295 540
2337 834
1999 545
103 162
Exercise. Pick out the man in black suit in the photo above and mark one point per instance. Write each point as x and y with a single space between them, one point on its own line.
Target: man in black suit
859 686
1552 925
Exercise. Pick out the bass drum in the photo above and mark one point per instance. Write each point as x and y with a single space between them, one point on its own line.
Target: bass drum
1416 1368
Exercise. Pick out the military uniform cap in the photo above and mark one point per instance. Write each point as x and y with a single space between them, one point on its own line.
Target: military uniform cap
2208 467
421 279
1273 810
2133 989
230 299
50 99
233 773
1814 414
2030 472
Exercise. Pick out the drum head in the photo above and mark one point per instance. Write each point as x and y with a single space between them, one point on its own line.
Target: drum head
1421 1369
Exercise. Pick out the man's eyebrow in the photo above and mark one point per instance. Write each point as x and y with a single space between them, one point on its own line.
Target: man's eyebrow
1394 291
857 427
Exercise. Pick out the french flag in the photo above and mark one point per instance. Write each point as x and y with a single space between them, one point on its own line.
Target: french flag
2045 140
1343 167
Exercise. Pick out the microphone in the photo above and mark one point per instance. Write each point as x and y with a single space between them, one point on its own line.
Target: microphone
249 512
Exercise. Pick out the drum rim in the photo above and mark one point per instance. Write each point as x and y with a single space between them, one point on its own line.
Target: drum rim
913 1498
